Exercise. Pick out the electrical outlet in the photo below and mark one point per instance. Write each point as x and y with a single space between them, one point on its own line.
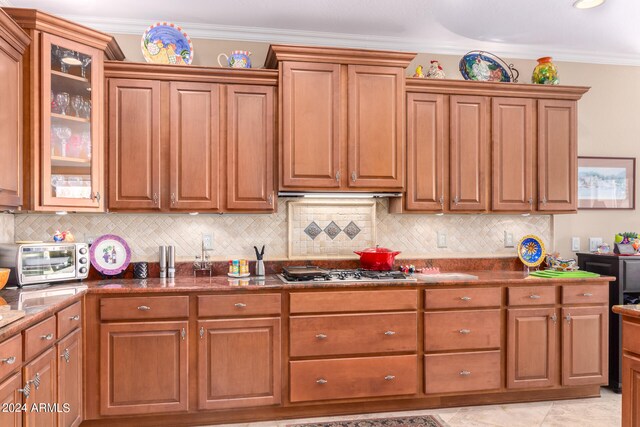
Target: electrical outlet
442 239
575 244
508 239
207 241
594 242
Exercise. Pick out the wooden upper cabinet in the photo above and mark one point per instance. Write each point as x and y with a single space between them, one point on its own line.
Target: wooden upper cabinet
311 128
194 146
134 144
469 153
376 127
13 42
532 359
143 367
557 155
250 140
426 145
512 154
585 345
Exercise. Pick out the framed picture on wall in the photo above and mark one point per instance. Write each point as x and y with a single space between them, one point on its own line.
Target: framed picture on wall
606 182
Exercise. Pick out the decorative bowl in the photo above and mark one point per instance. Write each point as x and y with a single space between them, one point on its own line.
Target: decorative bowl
4 276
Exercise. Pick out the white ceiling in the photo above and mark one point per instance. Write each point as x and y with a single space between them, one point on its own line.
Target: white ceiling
511 28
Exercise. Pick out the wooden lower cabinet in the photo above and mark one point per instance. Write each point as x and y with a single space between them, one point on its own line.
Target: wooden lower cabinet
631 390
10 397
312 380
239 363
462 372
143 367
41 375
532 358
70 379
585 345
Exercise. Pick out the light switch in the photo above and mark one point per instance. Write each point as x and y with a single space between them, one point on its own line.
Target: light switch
575 244
207 241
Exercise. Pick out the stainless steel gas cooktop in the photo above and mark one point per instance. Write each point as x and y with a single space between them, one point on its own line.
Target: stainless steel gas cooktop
313 274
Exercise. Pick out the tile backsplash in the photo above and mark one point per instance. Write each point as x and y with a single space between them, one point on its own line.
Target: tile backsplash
286 233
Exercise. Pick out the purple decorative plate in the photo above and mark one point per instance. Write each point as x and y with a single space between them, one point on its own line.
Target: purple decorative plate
110 254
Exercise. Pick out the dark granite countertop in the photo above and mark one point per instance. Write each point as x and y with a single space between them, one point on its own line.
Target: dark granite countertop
49 305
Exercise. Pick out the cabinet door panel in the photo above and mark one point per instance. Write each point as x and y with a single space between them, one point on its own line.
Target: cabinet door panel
513 158
469 153
134 144
630 390
425 151
194 146
585 346
557 155
376 127
239 363
9 395
250 142
70 379
143 368
532 360
44 368
10 126
311 134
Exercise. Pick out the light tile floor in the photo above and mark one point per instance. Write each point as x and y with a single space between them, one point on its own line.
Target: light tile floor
595 412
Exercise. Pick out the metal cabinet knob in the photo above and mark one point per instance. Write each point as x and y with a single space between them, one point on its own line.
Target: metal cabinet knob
201 331
389 333
465 373
321 381
456 200
9 360
441 200
76 317
543 201
144 308
240 305
270 199
98 196
353 176
321 336
389 377
47 337
554 318
465 331
530 201
533 296
568 318
155 199
173 199
338 176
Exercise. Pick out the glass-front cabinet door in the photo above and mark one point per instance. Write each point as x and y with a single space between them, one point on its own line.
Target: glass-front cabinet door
72 141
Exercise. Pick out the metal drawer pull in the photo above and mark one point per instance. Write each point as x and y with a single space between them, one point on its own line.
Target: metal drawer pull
465 298
9 360
533 296
240 305
47 337
36 380
465 331
26 390
183 334
389 333
465 373
321 336
587 294
144 308
389 377
65 355
353 176
321 381
76 317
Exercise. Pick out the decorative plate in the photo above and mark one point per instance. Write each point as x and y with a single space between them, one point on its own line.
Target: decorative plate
531 250
487 67
166 43
110 254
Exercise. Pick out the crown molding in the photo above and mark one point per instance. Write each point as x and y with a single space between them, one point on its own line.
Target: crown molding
316 38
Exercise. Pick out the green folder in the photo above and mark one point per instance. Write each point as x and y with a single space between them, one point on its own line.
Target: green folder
554 274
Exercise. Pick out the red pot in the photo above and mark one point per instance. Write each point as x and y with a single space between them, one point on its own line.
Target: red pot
377 258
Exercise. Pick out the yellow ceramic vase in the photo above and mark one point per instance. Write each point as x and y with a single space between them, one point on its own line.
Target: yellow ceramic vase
545 72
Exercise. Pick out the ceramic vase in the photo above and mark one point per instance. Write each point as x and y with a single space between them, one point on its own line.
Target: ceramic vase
545 72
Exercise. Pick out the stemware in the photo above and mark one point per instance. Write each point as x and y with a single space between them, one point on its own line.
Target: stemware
64 133
86 144
86 107
86 60
62 99
77 102
59 53
54 105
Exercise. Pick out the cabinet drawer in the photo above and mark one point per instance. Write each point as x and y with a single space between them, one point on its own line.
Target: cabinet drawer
532 295
69 319
238 305
461 372
462 298
353 334
10 355
461 330
585 294
352 378
39 337
334 302
134 308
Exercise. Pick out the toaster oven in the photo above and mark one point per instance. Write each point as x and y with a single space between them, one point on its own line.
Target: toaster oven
35 263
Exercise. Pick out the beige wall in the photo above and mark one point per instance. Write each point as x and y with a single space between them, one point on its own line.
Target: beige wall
608 121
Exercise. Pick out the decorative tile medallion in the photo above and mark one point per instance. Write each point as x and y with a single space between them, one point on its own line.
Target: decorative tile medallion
351 230
313 230
332 230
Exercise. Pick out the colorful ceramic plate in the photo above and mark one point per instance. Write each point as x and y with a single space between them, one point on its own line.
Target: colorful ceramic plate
166 43
487 67
531 250
110 254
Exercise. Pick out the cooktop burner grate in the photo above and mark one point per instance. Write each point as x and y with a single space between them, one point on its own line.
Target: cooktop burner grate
316 274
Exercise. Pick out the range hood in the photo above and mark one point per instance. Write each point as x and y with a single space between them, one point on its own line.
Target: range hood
336 195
